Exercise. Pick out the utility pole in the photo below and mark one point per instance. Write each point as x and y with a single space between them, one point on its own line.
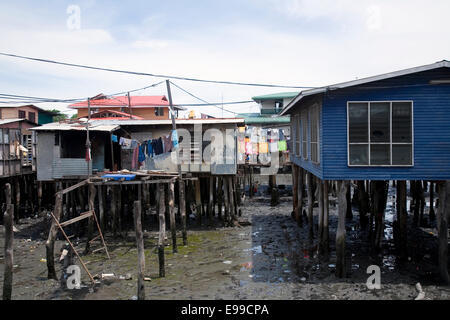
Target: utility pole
88 142
129 105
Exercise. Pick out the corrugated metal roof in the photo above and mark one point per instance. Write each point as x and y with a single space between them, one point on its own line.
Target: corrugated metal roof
122 101
267 120
111 125
5 121
275 96
440 64
93 126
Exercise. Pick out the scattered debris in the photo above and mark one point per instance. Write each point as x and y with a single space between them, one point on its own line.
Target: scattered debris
421 294
227 262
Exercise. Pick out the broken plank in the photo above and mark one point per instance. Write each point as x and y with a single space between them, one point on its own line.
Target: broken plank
84 215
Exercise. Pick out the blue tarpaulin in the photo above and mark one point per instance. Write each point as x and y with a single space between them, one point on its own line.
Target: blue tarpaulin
116 176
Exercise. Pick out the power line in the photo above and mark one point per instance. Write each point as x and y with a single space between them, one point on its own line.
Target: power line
206 103
151 74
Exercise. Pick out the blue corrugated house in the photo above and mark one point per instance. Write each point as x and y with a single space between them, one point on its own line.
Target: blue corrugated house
394 126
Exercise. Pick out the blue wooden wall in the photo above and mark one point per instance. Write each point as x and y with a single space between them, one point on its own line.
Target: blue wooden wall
431 116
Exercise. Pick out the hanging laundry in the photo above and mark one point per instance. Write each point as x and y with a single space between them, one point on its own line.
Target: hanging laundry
174 139
150 148
248 148
141 157
273 147
282 145
281 135
158 146
134 144
263 147
113 138
134 160
241 129
255 148
125 143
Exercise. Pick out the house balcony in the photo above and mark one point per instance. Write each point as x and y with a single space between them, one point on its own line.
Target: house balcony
271 111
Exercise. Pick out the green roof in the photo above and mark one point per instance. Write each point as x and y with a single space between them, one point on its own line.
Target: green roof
275 96
267 120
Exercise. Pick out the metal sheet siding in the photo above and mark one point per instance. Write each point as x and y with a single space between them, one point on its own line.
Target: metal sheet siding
315 169
431 130
69 167
44 156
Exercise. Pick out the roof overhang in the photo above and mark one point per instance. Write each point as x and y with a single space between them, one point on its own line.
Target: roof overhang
301 95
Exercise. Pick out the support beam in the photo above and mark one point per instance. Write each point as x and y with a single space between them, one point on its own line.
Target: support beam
182 204
321 212
162 230
8 221
402 219
432 213
310 192
340 233
300 188
92 194
443 213
326 231
50 243
295 208
140 247
198 201
173 226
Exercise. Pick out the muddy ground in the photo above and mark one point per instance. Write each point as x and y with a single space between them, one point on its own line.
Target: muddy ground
271 258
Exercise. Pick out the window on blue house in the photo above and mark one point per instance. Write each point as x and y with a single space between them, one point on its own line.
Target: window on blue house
314 134
298 141
380 133
304 121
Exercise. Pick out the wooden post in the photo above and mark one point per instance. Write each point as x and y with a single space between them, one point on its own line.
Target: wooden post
162 230
349 213
295 177
92 193
321 213
300 196
443 212
226 201
173 227
113 192
119 208
182 204
326 231
432 214
340 234
140 247
101 208
8 221
17 207
198 200
211 200
379 203
363 203
402 216
40 196
310 204
251 182
219 196
50 243
274 200
231 199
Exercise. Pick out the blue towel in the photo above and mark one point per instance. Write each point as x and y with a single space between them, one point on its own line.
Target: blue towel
141 157
114 138
149 148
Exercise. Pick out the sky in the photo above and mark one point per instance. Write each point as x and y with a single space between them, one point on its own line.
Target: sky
285 42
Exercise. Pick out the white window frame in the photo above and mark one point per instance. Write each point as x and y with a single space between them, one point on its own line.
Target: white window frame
390 134
314 110
304 121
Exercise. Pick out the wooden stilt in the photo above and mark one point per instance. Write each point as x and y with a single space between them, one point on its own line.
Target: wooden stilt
92 194
198 200
379 203
101 209
113 193
340 234
321 212
231 200
182 205
17 206
310 193
432 214
140 247
8 221
50 243
300 189
349 213
40 196
420 193
219 196
226 202
162 230
326 231
210 199
402 215
443 213
173 227
295 205
363 203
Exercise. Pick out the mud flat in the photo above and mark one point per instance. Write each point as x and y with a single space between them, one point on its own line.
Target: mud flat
270 258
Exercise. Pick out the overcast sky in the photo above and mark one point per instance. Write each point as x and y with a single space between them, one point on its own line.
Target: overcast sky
286 42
